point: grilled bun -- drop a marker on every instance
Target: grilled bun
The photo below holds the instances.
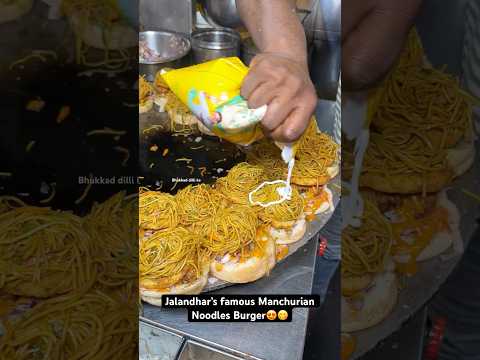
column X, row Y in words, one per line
column 285, row 236
column 377, row 303
column 153, row 296
column 252, row 269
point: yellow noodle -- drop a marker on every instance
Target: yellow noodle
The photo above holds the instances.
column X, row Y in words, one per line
column 290, row 210
column 231, row 230
column 240, row 181
column 170, row 253
column 364, row 249
column 417, row 114
column 197, row 204
column 157, row 210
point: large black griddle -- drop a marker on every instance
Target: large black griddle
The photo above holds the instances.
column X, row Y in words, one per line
column 160, row 172
column 163, row 172
column 63, row 152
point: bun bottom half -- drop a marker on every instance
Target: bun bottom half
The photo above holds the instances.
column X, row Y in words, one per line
column 246, row 271
column 289, row 236
column 378, row 302
column 154, row 297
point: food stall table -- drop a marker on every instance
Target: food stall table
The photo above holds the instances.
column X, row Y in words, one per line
column 266, row 341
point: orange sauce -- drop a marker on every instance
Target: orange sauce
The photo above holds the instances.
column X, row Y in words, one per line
column 348, row 345
column 282, row 252
column 257, row 252
column 423, row 230
column 314, row 200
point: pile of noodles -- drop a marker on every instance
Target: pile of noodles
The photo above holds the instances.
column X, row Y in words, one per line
column 416, row 115
column 96, row 325
column 168, row 255
column 267, row 155
column 157, row 210
column 287, row 211
column 197, row 203
column 316, row 153
column 364, row 248
column 113, row 228
column 231, row 230
column 240, row 181
column 44, row 252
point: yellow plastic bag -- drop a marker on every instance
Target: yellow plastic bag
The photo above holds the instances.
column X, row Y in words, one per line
column 212, row 92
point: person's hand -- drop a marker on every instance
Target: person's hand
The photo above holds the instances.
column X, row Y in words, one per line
column 284, row 85
column 373, row 35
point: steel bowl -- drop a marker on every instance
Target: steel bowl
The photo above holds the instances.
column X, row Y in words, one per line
column 249, row 50
column 209, row 44
column 222, row 13
column 172, row 47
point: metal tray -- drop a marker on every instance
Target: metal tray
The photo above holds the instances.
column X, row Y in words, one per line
column 196, row 351
column 313, row 229
column 157, row 344
column 155, row 130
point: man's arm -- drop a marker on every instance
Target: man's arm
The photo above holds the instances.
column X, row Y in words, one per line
column 278, row 76
column 373, row 35
column 274, row 27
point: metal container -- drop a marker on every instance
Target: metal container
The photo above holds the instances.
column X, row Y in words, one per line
column 155, row 343
column 178, row 16
column 171, row 46
column 222, row 13
column 249, row 50
column 209, row 44
column 194, row 350
column 323, row 28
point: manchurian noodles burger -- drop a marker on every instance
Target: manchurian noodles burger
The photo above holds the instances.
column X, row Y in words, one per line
column 243, row 252
column 242, row 179
column 317, row 158
column 172, row 261
column 421, row 134
column 369, row 286
column 197, row 204
column 43, row 252
column 422, row 227
column 267, row 155
column 286, row 219
column 158, row 211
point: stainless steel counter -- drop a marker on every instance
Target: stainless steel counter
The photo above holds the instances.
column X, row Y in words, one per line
column 246, row 340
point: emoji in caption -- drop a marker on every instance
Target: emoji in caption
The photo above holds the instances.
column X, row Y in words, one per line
column 271, row 315
column 283, row 315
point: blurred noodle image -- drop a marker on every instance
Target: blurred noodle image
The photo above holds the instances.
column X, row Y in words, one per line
column 68, row 199
column 420, row 139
